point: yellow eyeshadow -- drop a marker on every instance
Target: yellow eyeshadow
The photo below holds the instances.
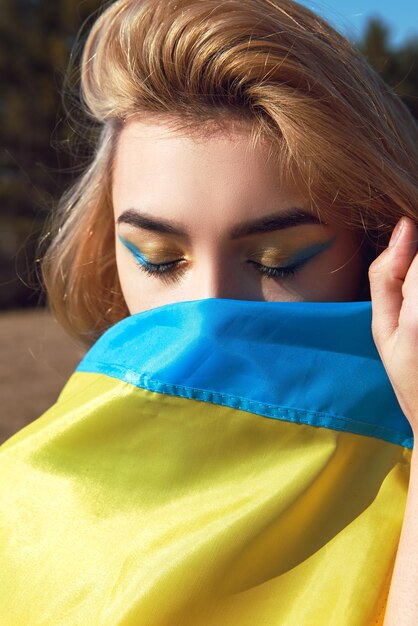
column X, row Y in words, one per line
column 160, row 256
column 282, row 246
column 269, row 256
column 155, row 250
column 270, row 249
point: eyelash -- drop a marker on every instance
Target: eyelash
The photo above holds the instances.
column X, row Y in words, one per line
column 167, row 269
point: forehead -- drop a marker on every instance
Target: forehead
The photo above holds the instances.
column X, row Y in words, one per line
column 209, row 142
column 219, row 169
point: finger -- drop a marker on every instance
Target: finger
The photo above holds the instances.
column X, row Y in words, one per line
column 408, row 318
column 387, row 275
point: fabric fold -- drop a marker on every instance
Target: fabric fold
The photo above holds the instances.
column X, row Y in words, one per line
column 210, row 463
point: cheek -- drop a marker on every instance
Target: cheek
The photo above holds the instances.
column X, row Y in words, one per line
column 126, row 274
column 338, row 274
column 134, row 288
column 140, row 292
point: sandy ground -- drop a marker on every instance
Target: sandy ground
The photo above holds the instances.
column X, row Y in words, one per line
column 36, row 360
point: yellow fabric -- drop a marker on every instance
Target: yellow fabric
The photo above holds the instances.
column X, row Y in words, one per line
column 121, row 506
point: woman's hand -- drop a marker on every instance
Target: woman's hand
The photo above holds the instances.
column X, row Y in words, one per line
column 394, row 292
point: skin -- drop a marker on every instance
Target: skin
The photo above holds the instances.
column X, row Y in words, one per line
column 206, row 189
column 394, row 291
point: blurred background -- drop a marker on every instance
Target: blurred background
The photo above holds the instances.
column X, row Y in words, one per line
column 45, row 144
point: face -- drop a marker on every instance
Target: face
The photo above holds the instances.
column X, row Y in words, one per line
column 213, row 218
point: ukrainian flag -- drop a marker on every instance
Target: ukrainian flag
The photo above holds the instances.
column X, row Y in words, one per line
column 210, row 463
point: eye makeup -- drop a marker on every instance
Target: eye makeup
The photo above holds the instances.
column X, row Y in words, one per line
column 312, row 251
column 146, row 262
column 275, row 264
column 271, row 258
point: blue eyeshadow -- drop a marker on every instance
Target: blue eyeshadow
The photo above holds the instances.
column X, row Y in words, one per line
column 132, row 248
column 300, row 257
column 311, row 251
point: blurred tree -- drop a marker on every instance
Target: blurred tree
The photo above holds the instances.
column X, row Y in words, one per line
column 36, row 37
column 375, row 45
column 397, row 66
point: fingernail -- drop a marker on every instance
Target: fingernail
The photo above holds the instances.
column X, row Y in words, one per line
column 396, row 232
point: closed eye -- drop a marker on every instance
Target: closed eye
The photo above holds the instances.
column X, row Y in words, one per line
column 278, row 272
column 176, row 267
column 172, row 269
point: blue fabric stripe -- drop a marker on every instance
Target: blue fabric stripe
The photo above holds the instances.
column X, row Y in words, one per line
column 311, row 363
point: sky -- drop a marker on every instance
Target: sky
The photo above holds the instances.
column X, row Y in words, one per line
column 350, row 16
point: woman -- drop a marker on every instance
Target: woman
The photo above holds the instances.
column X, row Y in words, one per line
column 250, row 172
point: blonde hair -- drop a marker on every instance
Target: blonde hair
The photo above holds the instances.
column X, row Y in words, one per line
column 271, row 63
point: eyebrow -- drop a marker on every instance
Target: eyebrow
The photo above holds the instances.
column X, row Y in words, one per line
column 277, row 221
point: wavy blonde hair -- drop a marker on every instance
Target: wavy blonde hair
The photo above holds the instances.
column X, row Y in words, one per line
column 197, row 63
